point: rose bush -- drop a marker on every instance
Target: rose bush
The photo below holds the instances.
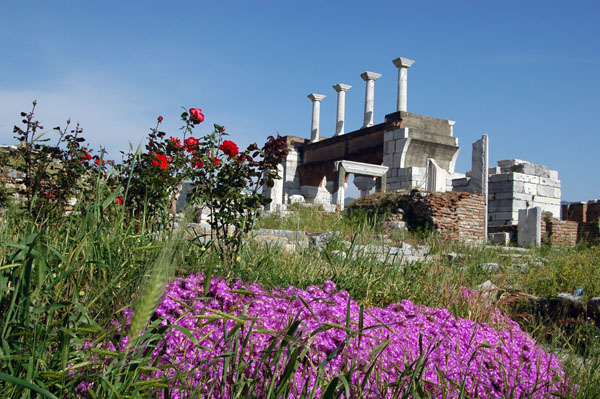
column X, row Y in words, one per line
column 52, row 174
column 228, row 183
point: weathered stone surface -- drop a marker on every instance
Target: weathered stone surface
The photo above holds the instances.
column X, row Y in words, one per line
column 529, row 230
column 502, row 238
column 490, row 267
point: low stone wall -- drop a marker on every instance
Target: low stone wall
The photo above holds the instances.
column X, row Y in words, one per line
column 457, row 216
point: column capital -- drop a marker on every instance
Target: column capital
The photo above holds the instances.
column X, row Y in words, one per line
column 368, row 75
column 316, row 97
column 341, row 87
column 401, row 62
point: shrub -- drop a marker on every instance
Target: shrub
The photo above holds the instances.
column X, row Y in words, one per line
column 52, row 174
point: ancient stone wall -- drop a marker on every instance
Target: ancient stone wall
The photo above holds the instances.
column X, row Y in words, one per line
column 517, row 184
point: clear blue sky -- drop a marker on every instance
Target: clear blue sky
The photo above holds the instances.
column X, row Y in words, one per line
column 524, row 72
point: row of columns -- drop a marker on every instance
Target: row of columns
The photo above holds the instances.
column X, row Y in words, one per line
column 369, row 77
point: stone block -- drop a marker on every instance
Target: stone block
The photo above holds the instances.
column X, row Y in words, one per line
column 553, row 174
column 388, row 136
column 529, row 188
column 553, row 209
column 547, row 191
column 502, row 238
column 506, row 187
column 494, row 170
column 530, row 227
column 514, row 176
column 511, row 162
column 388, row 148
column 401, row 133
column 545, row 181
column 463, row 182
column 546, row 200
column 502, row 177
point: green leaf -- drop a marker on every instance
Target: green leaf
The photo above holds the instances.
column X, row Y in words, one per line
column 111, row 198
column 17, row 381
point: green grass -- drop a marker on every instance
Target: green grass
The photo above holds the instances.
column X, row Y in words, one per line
column 67, row 282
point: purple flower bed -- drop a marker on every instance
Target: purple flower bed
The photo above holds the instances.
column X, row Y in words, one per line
column 486, row 362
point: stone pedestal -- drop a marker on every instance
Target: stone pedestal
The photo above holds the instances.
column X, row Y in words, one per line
column 364, row 184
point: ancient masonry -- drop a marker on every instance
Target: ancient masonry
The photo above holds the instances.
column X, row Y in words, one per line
column 407, row 151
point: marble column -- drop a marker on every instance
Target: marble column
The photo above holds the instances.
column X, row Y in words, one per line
column 402, row 64
column 370, row 78
column 316, row 116
column 341, row 107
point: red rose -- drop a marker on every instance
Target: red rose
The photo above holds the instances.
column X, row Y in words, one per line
column 119, row 201
column 97, row 161
column 86, row 156
column 196, row 115
column 198, row 164
column 191, row 144
column 176, row 141
column 160, row 119
column 229, row 148
column 216, row 160
column 162, row 161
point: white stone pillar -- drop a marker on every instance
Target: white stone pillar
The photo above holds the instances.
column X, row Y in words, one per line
column 370, row 78
column 402, row 64
column 341, row 107
column 316, row 116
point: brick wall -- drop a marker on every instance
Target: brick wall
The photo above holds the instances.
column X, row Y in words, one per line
column 585, row 215
column 561, row 232
column 588, row 231
column 458, row 216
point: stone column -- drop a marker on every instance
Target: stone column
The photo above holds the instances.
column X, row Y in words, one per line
column 316, row 116
column 364, row 184
column 370, row 78
column 402, row 64
column 339, row 188
column 341, row 107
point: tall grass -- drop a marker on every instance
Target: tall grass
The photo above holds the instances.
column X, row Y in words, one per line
column 62, row 287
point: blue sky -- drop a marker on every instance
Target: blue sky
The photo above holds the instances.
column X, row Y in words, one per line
column 524, row 72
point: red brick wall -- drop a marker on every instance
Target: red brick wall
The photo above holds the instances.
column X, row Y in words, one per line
column 459, row 216
column 561, row 232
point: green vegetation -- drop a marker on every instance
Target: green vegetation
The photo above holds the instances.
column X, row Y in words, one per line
column 80, row 286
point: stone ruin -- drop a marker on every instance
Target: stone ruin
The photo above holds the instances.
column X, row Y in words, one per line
column 407, row 151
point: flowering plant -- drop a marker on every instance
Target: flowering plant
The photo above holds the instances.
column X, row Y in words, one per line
column 52, row 175
column 150, row 178
column 297, row 340
column 228, row 182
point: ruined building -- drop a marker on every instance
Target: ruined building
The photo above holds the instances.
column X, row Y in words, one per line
column 405, row 152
